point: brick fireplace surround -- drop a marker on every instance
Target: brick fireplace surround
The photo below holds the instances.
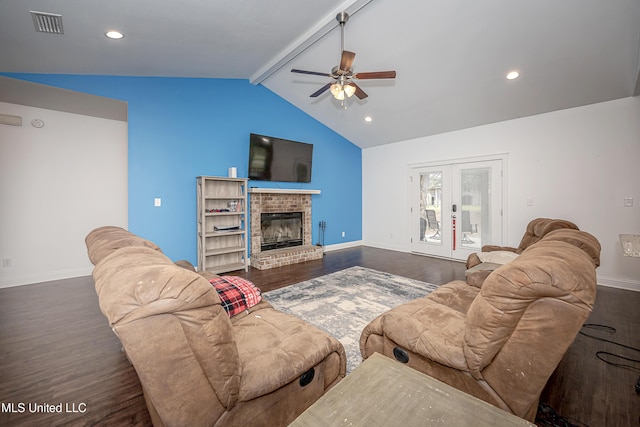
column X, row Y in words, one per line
column 270, row 200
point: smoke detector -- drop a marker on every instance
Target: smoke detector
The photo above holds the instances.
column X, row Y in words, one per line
column 47, row 22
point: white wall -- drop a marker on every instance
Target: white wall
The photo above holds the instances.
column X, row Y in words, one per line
column 576, row 164
column 57, row 183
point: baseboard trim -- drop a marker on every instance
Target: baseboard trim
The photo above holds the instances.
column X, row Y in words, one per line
column 387, row 247
column 627, row 284
column 49, row 276
column 345, row 245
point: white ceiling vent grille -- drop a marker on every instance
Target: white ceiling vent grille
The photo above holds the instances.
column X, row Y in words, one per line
column 47, row 22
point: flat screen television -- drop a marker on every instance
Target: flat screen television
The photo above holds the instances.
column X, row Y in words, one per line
column 277, row 159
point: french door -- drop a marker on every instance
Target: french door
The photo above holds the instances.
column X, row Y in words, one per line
column 456, row 207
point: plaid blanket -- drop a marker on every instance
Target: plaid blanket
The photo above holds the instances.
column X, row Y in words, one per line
column 236, row 293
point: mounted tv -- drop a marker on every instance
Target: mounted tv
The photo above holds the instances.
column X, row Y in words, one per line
column 276, row 159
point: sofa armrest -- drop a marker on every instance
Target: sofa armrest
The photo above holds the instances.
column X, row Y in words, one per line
column 185, row 264
column 473, row 259
column 371, row 338
column 476, row 275
column 424, row 327
column 275, row 348
column 438, row 337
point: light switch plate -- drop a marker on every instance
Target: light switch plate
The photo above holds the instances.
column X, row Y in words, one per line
column 628, row 202
column 157, row 202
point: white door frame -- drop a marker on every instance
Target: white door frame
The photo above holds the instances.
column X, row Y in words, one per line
column 445, row 249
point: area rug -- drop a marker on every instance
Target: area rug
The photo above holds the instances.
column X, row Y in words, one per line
column 344, row 302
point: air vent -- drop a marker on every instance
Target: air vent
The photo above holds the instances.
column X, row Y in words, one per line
column 47, row 22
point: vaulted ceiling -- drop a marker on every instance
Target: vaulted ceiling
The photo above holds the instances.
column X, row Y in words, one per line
column 451, row 57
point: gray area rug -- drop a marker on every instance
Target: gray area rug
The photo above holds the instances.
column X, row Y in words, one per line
column 344, row 302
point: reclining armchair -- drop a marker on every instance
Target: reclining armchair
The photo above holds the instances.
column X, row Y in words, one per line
column 500, row 342
column 480, row 265
column 536, row 230
column 197, row 365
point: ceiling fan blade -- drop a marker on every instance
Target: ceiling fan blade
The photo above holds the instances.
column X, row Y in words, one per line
column 359, row 92
column 314, row 73
column 376, row 75
column 320, row 91
column 347, row 60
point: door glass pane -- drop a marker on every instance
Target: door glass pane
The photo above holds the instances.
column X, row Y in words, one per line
column 430, row 207
column 475, row 215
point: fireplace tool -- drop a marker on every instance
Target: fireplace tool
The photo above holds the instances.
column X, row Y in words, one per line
column 322, row 226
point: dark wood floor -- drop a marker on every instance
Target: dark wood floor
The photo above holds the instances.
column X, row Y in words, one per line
column 56, row 347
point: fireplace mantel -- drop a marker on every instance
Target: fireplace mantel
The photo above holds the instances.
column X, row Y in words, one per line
column 281, row 191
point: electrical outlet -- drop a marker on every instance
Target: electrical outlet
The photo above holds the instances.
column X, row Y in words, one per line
column 157, row 202
column 344, row 234
column 628, row 202
column 7, row 262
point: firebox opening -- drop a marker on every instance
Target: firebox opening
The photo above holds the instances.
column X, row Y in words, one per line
column 281, row 230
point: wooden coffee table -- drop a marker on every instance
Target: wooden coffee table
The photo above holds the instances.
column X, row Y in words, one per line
column 384, row 392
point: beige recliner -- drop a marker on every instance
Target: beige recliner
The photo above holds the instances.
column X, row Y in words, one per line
column 477, row 270
column 197, row 366
column 536, row 230
column 500, row 342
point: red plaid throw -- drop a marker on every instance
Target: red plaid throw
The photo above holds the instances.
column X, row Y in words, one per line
column 236, row 293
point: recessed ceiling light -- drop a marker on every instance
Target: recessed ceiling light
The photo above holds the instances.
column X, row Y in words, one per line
column 368, row 119
column 513, row 75
column 113, row 34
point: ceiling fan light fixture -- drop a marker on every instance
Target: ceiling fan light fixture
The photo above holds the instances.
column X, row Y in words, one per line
column 342, row 86
column 337, row 92
column 341, row 91
column 349, row 90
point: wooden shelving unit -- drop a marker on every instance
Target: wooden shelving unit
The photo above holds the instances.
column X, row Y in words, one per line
column 222, row 224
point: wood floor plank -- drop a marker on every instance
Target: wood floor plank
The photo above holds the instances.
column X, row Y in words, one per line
column 57, row 347
column 585, row 388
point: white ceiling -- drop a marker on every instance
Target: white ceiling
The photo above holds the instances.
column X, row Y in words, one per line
column 451, row 57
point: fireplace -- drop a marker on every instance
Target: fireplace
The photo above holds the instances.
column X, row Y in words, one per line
column 288, row 215
column 281, row 230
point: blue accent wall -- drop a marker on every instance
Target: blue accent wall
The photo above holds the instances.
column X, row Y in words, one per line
column 180, row 128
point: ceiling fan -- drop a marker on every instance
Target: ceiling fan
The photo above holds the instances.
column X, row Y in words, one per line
column 343, row 86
